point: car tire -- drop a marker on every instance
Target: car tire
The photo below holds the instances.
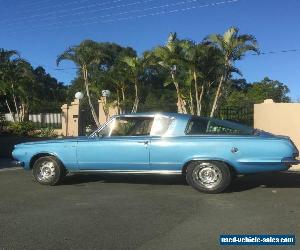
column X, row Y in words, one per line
column 208, row 176
column 48, row 170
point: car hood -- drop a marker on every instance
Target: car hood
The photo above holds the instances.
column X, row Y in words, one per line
column 60, row 140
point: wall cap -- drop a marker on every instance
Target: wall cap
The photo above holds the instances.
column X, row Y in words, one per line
column 268, row 101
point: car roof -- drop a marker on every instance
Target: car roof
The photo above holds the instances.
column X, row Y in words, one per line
column 170, row 114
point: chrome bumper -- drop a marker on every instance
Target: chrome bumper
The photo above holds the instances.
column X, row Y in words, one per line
column 290, row 161
column 18, row 163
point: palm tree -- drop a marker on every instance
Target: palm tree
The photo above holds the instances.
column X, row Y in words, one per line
column 117, row 76
column 192, row 56
column 135, row 65
column 233, row 47
column 86, row 56
column 169, row 58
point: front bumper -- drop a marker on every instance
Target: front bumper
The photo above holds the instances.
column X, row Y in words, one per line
column 18, row 163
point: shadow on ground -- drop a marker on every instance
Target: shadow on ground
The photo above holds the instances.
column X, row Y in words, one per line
column 125, row 178
column 266, row 180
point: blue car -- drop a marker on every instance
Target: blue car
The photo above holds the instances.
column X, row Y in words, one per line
column 207, row 152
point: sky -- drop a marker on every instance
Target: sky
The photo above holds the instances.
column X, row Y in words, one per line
column 42, row 29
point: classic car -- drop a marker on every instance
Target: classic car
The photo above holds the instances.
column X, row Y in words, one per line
column 208, row 152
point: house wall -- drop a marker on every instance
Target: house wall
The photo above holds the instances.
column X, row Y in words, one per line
column 279, row 118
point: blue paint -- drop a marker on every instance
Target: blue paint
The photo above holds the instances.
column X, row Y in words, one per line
column 256, row 153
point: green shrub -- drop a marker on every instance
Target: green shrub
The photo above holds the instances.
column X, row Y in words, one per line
column 46, row 132
column 29, row 129
column 3, row 125
column 22, row 128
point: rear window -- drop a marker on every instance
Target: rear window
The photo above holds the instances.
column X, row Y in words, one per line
column 201, row 125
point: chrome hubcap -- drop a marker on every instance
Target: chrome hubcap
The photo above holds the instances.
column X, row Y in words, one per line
column 46, row 171
column 207, row 175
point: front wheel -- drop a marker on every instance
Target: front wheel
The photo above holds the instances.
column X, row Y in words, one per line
column 209, row 176
column 48, row 170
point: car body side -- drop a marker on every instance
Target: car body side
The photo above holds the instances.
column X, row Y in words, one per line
column 169, row 153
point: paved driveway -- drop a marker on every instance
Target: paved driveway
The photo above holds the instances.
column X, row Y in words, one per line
column 142, row 212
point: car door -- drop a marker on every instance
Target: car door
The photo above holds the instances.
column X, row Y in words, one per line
column 164, row 149
column 124, row 146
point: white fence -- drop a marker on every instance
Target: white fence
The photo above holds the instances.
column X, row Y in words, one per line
column 42, row 120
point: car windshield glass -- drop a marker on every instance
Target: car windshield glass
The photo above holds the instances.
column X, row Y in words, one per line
column 200, row 125
column 127, row 126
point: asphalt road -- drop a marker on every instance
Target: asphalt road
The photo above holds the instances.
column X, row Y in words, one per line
column 142, row 212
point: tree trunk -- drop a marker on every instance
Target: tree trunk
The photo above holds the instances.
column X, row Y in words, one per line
column 9, row 109
column 196, row 92
column 200, row 99
column 26, row 112
column 217, row 96
column 181, row 105
column 118, row 101
column 136, row 99
column 123, row 100
column 191, row 102
column 123, row 93
column 21, row 111
column 85, row 76
column 15, row 101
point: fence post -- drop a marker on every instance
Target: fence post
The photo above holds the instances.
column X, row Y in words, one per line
column 70, row 119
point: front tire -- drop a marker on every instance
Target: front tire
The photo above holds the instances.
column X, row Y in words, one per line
column 208, row 176
column 48, row 170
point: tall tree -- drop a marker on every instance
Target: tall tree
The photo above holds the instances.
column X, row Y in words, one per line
column 233, row 47
column 7, row 58
column 169, row 58
column 192, row 57
column 135, row 65
column 86, row 56
column 22, row 82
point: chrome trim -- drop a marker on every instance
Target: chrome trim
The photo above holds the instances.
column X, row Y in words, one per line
column 290, row 161
column 162, row 172
column 207, row 175
column 19, row 163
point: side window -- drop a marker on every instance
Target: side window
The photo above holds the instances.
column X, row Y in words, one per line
column 197, row 126
column 215, row 128
column 128, row 126
column 200, row 126
column 160, row 125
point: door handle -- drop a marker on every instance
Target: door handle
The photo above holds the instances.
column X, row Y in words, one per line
column 144, row 142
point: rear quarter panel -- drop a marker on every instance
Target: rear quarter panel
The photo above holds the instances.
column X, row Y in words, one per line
column 255, row 154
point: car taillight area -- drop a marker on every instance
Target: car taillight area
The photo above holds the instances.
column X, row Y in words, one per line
column 296, row 151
